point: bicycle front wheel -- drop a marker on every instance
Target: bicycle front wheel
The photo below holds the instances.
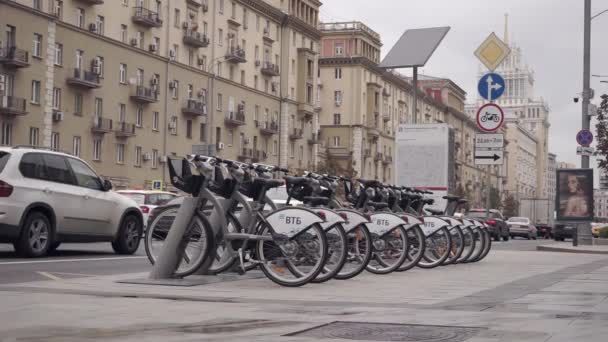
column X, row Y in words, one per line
column 336, row 256
column 469, row 245
column 292, row 261
column 488, row 245
column 359, row 253
column 417, row 245
column 390, row 251
column 438, row 247
column 457, row 247
column 196, row 243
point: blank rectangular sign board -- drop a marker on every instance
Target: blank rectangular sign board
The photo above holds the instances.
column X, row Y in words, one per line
column 414, row 48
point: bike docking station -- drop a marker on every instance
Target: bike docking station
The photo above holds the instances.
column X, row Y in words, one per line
column 173, row 251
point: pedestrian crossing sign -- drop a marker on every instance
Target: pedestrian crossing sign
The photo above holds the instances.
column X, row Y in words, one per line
column 157, row 185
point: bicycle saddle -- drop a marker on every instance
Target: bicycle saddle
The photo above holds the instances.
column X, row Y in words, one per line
column 369, row 183
column 462, row 201
column 434, row 212
column 314, row 201
column 452, row 198
column 269, row 183
column 428, row 201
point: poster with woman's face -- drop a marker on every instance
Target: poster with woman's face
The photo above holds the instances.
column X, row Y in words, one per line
column 574, row 195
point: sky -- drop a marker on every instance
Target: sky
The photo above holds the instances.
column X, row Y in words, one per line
column 549, row 32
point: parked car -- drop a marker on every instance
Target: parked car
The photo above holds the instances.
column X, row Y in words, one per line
column 50, row 197
column 521, row 226
column 496, row 222
column 544, row 231
column 563, row 230
column 147, row 200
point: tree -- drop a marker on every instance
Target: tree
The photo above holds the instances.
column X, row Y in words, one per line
column 511, row 206
column 602, row 134
column 495, row 202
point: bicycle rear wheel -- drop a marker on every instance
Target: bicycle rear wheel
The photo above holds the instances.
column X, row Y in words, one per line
column 469, row 245
column 196, row 243
column 488, row 245
column 457, row 247
column 359, row 253
column 438, row 247
column 417, row 245
column 389, row 251
column 480, row 245
column 292, row 261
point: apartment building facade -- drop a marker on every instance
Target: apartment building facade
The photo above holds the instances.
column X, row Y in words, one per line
column 125, row 84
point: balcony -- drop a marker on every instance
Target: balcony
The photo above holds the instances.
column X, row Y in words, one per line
column 339, row 152
column 259, row 156
column 14, row 57
column 194, row 108
column 386, row 117
column 235, row 118
column 269, row 128
column 101, row 125
column 244, row 154
column 386, row 93
column 306, row 111
column 144, row 95
column 84, row 79
column 195, row 39
column 367, row 153
column 387, row 160
column 13, row 106
column 195, row 3
column 92, row 2
column 267, row 37
column 373, row 132
column 270, row 69
column 296, row 134
column 124, row 130
column 145, row 17
column 235, row 55
column 378, row 156
column 232, row 21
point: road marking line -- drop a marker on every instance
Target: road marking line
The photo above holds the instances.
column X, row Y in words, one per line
column 77, row 274
column 68, row 260
column 50, row 276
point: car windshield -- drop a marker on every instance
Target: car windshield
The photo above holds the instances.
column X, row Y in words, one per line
column 518, row 220
column 3, row 160
column 477, row 214
column 140, row 199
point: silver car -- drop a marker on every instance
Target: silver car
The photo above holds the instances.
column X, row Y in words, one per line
column 521, row 226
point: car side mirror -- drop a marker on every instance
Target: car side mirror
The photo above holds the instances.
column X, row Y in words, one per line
column 107, row 185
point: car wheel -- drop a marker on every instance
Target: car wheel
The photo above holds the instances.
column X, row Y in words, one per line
column 54, row 246
column 36, row 236
column 129, row 235
column 506, row 237
column 497, row 237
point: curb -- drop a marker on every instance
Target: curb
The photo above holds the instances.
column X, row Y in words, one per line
column 569, row 250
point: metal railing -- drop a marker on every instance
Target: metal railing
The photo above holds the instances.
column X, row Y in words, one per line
column 13, row 53
column 86, row 76
column 270, row 68
column 196, row 106
column 102, row 124
column 143, row 14
column 141, row 91
column 123, row 128
column 348, row 26
column 195, row 38
column 13, row 104
column 235, row 116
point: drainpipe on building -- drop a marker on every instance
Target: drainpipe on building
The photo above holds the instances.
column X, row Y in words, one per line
column 282, row 100
column 166, row 91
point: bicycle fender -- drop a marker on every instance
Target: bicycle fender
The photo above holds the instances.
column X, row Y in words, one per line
column 291, row 221
column 468, row 223
column 432, row 224
column 331, row 218
column 353, row 219
column 382, row 223
column 453, row 222
column 412, row 220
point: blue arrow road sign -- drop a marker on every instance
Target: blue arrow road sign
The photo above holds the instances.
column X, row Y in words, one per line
column 491, row 86
column 584, row 137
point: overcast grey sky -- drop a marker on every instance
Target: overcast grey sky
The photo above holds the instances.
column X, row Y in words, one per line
column 550, row 33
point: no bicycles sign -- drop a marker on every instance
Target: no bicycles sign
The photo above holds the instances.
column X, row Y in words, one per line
column 490, row 117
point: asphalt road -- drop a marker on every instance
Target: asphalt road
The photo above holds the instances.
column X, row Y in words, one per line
column 83, row 260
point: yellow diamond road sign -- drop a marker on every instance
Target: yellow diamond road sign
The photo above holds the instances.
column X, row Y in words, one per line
column 492, row 52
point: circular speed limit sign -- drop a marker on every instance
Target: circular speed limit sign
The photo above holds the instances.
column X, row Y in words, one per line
column 490, row 117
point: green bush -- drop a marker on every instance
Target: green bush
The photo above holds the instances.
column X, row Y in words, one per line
column 604, row 233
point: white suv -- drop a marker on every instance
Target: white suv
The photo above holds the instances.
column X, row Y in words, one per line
column 49, row 197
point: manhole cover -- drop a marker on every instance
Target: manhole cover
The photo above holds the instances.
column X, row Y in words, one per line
column 390, row 332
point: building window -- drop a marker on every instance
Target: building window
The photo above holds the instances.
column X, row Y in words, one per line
column 76, row 146
column 137, row 161
column 338, row 73
column 99, row 62
column 34, row 136
column 221, row 7
column 54, row 141
column 275, row 147
column 97, row 150
column 219, row 102
column 98, row 107
column 80, row 17
column 255, row 82
column 175, row 89
column 37, row 50
column 338, row 97
column 78, row 104
column 123, row 33
column 122, row 71
column 140, row 39
column 173, row 125
column 339, row 49
column 56, row 98
column 337, row 119
column 220, row 37
column 35, row 92
column 7, row 134
column 202, row 135
column 100, row 23
column 120, row 153
column 155, row 117
column 139, row 116
column 336, row 141
column 58, row 54
column 176, row 18
column 37, row 5
column 189, row 129
column 122, row 112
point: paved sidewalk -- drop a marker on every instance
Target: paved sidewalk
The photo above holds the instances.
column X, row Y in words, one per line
column 510, row 296
column 562, row 248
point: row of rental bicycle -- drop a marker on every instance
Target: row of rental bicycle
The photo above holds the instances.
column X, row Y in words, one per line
column 370, row 226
